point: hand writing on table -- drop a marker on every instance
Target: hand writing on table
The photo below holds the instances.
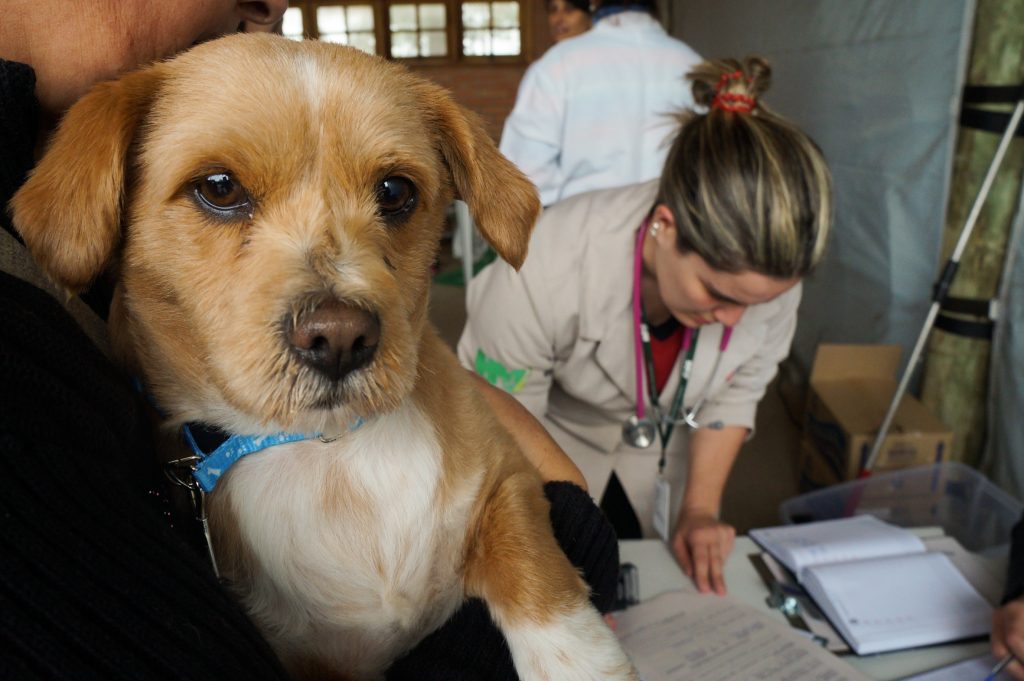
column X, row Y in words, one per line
column 1008, row 636
column 702, row 544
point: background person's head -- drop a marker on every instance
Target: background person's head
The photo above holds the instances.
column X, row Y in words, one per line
column 744, row 194
column 567, row 18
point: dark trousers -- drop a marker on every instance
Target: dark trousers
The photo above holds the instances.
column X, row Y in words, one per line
column 619, row 511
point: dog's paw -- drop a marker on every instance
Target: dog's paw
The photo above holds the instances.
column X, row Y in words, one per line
column 574, row 647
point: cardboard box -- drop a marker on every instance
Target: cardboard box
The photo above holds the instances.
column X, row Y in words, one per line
column 850, row 390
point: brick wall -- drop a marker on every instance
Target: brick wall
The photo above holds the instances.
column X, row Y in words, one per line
column 489, row 90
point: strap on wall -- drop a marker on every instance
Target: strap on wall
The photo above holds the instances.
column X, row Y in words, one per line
column 989, row 121
column 984, row 119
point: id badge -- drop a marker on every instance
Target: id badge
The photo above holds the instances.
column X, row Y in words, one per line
column 662, row 497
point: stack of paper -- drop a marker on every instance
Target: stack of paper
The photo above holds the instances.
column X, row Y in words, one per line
column 682, row 636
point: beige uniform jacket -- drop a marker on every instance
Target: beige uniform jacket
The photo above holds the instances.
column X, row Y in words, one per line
column 558, row 335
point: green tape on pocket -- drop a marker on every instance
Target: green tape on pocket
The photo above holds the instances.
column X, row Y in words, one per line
column 497, row 374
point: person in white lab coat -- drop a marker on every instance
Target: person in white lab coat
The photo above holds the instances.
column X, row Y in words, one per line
column 716, row 250
column 596, row 110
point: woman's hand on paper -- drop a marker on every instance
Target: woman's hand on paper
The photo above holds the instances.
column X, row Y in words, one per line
column 702, row 544
column 1008, row 636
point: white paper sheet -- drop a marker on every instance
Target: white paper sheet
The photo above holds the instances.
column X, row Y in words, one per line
column 985, row 573
column 681, row 636
column 974, row 669
column 899, row 602
column 835, row 541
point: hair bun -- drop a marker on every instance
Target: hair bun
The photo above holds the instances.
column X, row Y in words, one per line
column 749, row 78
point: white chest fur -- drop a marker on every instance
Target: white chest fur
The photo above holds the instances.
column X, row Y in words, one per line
column 353, row 552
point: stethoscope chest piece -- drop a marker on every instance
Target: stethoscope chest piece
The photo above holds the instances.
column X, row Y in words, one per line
column 639, row 432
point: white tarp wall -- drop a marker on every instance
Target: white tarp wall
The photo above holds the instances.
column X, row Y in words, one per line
column 876, row 83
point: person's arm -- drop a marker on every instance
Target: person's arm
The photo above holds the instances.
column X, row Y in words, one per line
column 538, row 446
column 701, row 542
column 1008, row 620
column 1008, row 636
column 532, row 135
column 516, row 327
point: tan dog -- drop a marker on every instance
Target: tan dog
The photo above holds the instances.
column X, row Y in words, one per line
column 271, row 211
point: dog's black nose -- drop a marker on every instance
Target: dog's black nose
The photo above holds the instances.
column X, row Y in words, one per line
column 335, row 338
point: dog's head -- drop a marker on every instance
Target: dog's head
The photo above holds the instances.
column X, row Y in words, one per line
column 271, row 211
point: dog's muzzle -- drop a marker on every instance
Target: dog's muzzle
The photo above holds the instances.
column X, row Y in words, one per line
column 334, row 338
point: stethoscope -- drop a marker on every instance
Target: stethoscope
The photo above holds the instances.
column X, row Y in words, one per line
column 639, row 430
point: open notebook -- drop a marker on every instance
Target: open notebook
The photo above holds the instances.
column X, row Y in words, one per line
column 877, row 584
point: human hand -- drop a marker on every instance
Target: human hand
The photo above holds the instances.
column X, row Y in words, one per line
column 1008, row 636
column 701, row 544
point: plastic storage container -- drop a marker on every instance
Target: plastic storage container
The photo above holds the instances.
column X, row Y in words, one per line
column 951, row 495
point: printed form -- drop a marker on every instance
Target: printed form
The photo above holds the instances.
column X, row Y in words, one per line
column 681, row 636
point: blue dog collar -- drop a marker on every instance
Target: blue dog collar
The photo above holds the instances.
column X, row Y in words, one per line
column 220, row 450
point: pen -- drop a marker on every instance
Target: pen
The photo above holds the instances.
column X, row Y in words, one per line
column 811, row 636
column 1000, row 666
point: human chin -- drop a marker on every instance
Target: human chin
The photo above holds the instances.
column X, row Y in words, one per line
column 692, row 319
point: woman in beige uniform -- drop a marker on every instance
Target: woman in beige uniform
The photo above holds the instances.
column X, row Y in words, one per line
column 689, row 284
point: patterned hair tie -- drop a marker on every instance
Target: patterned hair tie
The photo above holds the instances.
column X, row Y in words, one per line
column 732, row 101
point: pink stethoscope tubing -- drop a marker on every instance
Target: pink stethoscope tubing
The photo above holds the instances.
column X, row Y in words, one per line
column 639, row 328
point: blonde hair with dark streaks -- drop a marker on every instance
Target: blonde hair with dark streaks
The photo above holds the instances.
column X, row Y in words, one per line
column 748, row 190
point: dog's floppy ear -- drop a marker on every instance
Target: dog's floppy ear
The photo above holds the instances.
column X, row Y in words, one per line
column 503, row 202
column 69, row 210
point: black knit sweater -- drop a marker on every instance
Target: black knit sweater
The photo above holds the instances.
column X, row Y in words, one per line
column 1015, row 568
column 94, row 581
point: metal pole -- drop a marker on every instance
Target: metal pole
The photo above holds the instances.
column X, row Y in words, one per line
column 465, row 233
column 948, row 272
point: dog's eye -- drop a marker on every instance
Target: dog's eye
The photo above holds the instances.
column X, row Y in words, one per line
column 396, row 197
column 224, row 195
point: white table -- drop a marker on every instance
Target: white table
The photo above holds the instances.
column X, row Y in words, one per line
column 658, row 572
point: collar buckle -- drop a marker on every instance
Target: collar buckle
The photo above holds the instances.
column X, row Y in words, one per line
column 181, row 473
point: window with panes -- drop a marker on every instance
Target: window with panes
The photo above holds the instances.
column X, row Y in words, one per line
column 418, row 30
column 446, row 31
column 491, row 29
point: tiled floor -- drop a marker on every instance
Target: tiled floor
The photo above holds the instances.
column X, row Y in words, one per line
column 764, row 474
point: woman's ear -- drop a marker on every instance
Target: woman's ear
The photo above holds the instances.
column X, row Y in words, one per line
column 663, row 216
